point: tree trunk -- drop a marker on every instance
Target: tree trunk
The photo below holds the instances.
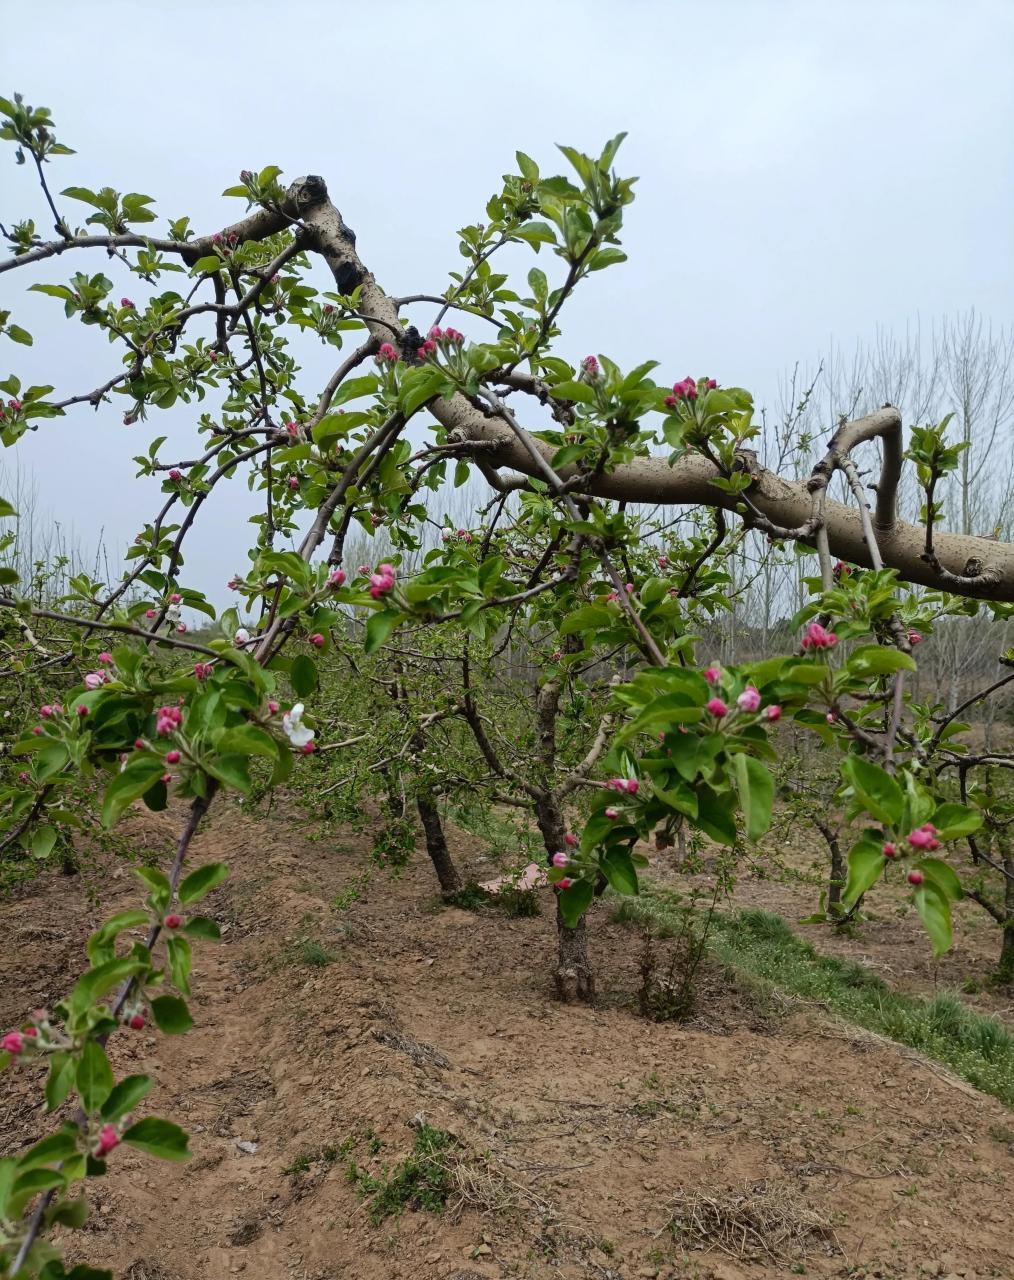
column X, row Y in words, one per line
column 1005, row 970
column 575, row 980
column 574, row 977
column 436, row 846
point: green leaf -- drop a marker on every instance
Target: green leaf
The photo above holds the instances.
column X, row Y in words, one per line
column 875, row 789
column 579, row 391
column 180, row 954
column 878, row 660
column 125, row 1097
column 6, row 509
column 171, row 1015
column 204, row 928
column 130, row 785
column 590, row 617
column 619, row 870
column 379, row 627
column 58, row 1146
column 94, row 1079
column 43, row 841
column 953, row 821
column 248, row 739
column 935, row 912
column 944, row 877
column 714, row 815
column 303, row 675
column 866, row 862
column 756, row 794
column 575, row 901
column 159, row 1138
column 19, row 335
column 232, row 770
column 202, row 881
column 60, row 1079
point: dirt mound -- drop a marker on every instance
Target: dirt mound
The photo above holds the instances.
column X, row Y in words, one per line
column 333, row 1035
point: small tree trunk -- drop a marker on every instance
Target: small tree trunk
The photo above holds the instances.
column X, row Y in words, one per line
column 574, row 977
column 436, row 847
column 1005, row 970
column 575, row 980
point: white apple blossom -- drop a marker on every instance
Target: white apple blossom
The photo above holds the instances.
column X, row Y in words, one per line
column 241, row 638
column 296, row 731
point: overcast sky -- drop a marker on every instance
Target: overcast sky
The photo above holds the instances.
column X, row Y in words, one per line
column 808, row 172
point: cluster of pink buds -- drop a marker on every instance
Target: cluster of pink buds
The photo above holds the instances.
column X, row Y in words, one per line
column 816, row 637
column 336, row 579
column 663, row 562
column 688, row 389
column 15, row 1042
column 167, row 721
column 50, row 709
column 841, row 569
column 924, row 837
column 386, row 354
column 628, row 785
column 126, row 304
column 292, row 428
column 202, row 670
column 590, row 367
column 382, row 581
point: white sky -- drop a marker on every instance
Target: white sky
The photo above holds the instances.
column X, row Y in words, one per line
column 808, row 171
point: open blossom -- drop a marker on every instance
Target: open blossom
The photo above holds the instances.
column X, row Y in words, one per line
column 712, row 674
column 717, row 707
column 297, row 733
column 816, row 637
column 749, row 699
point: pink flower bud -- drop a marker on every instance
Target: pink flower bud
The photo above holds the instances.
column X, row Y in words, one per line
column 712, row 674
column 82, row 710
column 167, row 778
column 890, row 849
column 309, row 748
column 564, row 882
column 106, row 659
column 749, row 700
column 924, row 837
column 13, row 1042
column 711, row 384
column 293, row 482
column 570, row 838
column 717, row 707
column 273, row 707
column 173, row 921
column 95, row 679
column 151, row 613
column 337, row 578
column 137, row 1022
column 914, row 638
column 175, row 598
column 774, row 712
column 37, row 730
column 915, row 876
column 663, row 562
column 462, row 532
column 125, row 302
column 436, row 333
column 24, row 777
column 202, row 670
column 632, row 786
column 611, row 813
column 831, row 717
column 32, row 1032
column 109, row 1139
column 172, row 757
column 175, row 474
column 46, row 710
column 138, row 744
column 560, row 859
column 387, row 352
column 628, row 587
column 317, row 640
column 590, row 365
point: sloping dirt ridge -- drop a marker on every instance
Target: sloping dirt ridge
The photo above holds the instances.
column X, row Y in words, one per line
column 589, row 1143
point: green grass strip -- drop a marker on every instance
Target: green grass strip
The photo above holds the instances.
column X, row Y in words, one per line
column 763, row 948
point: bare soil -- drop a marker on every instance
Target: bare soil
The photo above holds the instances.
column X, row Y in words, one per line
column 759, row 1140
